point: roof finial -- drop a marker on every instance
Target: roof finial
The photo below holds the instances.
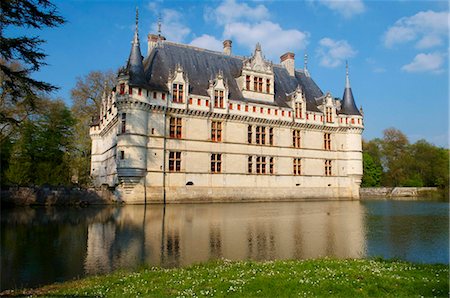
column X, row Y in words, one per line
column 159, row 24
column 305, row 66
column 347, row 80
column 258, row 46
column 137, row 18
column 136, row 34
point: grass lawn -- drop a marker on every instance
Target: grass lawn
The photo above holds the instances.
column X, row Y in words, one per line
column 323, row 277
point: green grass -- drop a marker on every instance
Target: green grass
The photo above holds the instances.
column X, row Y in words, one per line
column 323, row 277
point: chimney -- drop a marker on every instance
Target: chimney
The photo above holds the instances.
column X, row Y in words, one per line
column 227, row 47
column 152, row 41
column 288, row 61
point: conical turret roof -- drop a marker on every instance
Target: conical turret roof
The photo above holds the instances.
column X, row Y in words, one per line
column 348, row 106
column 135, row 67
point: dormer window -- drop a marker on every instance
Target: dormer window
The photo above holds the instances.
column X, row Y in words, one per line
column 268, row 86
column 130, row 90
column 122, row 89
column 298, row 110
column 329, row 114
column 218, row 99
column 177, row 93
column 247, row 83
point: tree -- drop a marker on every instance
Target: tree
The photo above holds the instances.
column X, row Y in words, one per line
column 372, row 171
column 41, row 154
column 87, row 98
column 20, row 56
column 395, row 157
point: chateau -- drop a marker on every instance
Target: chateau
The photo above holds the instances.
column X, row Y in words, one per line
column 185, row 124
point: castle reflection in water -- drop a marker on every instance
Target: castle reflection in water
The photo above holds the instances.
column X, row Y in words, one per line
column 180, row 235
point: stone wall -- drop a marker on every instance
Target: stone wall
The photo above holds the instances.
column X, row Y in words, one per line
column 395, row 192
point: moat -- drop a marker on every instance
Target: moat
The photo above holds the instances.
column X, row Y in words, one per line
column 45, row 245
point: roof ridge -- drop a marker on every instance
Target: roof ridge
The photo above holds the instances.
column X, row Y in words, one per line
column 181, row 45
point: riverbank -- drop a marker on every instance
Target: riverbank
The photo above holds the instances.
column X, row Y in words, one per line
column 323, row 277
column 400, row 192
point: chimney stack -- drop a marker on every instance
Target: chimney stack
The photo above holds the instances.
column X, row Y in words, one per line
column 227, row 47
column 152, row 41
column 288, row 61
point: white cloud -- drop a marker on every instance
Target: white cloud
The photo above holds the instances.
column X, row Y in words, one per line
column 230, row 11
column 429, row 28
column 274, row 40
column 333, row 52
column 207, row 42
column 346, row 8
column 172, row 28
column 426, row 63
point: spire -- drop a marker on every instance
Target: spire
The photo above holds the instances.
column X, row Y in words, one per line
column 348, row 102
column 135, row 67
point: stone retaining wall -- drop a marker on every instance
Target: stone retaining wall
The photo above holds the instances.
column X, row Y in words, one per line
column 395, row 192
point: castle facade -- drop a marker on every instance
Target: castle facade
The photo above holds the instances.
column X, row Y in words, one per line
column 186, row 124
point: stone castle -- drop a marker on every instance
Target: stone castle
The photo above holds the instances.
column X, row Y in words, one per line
column 185, row 124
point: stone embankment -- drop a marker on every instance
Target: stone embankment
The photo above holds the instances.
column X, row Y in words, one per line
column 45, row 196
column 397, row 192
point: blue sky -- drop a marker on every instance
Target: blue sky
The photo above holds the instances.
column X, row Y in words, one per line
column 397, row 50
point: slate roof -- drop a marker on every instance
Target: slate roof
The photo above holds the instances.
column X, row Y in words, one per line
column 348, row 105
column 203, row 65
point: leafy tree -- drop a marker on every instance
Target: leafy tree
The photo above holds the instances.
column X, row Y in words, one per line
column 395, row 157
column 41, row 154
column 20, row 56
column 372, row 171
column 87, row 98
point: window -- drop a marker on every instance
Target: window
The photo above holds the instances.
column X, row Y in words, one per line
column 174, row 161
column 130, row 90
column 124, row 123
column 327, row 141
column 163, row 96
column 329, row 114
column 260, row 165
column 268, row 86
column 297, row 163
column 139, row 91
column 263, row 135
column 249, row 134
column 177, row 93
column 216, row 163
column 218, row 99
column 122, row 89
column 216, row 131
column 260, row 84
column 247, row 83
column 258, row 135
column 199, row 102
column 175, row 128
column 271, row 136
column 298, row 110
column 255, row 84
column 327, row 167
column 154, row 95
column 122, row 154
column 250, row 164
column 296, row 138
column 271, row 165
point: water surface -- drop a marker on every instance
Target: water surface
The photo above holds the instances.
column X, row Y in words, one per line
column 44, row 245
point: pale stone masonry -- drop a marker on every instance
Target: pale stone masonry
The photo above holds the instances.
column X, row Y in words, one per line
column 193, row 125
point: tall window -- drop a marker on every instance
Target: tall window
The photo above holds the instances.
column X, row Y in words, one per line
column 122, row 89
column 268, row 86
column 271, row 165
column 216, row 131
column 255, row 84
column 177, row 93
column 249, row 134
column 218, row 99
column 260, row 165
column 247, row 83
column 250, row 164
column 263, row 135
column 296, row 138
column 260, row 84
column 271, row 136
column 327, row 141
column 175, row 127
column 327, row 167
column 130, row 90
column 298, row 110
column 216, row 163
column 174, row 161
column 297, row 163
column 122, row 154
column 124, row 123
column 329, row 114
